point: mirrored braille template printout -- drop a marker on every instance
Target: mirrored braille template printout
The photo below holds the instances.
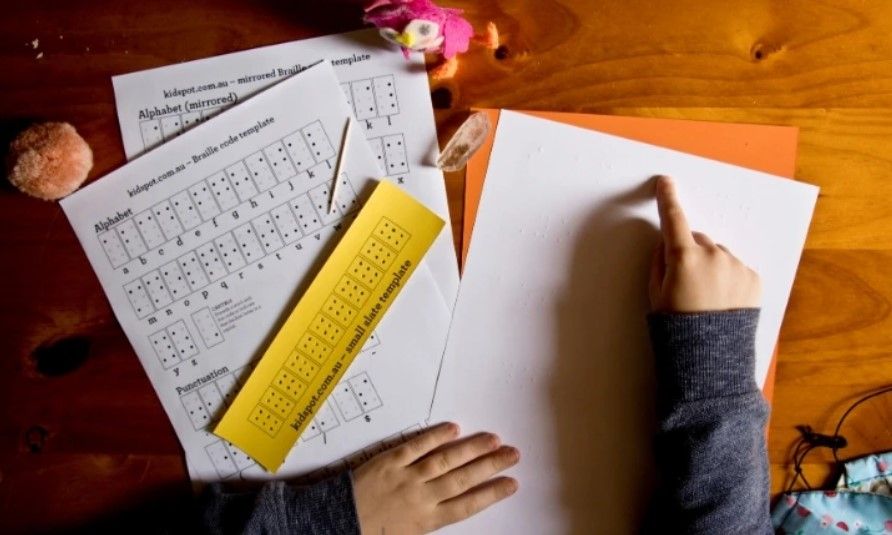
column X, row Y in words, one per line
column 389, row 97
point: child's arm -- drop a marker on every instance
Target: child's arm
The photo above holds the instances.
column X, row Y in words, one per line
column 280, row 507
column 432, row 480
column 711, row 443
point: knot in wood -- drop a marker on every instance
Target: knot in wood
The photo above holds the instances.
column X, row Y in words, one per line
column 59, row 357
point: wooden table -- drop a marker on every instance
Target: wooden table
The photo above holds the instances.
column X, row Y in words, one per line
column 83, row 434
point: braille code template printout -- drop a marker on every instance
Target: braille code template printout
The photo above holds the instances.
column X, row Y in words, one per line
column 388, row 95
column 204, row 245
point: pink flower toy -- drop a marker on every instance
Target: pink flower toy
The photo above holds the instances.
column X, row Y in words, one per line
column 423, row 26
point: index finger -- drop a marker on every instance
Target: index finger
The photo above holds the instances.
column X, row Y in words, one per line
column 674, row 225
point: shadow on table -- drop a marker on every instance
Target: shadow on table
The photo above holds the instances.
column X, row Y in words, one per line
column 603, row 386
column 172, row 509
column 322, row 18
column 9, row 129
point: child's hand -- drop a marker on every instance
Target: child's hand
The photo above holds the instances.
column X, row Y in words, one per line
column 431, row 481
column 690, row 272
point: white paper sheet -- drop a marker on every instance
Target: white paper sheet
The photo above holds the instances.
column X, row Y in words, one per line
column 205, row 244
column 549, row 344
column 389, row 96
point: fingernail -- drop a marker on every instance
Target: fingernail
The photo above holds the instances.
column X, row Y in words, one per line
column 513, row 453
column 663, row 183
column 449, row 427
column 493, row 441
column 512, row 487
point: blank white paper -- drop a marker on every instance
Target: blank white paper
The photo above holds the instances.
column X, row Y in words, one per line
column 549, row 346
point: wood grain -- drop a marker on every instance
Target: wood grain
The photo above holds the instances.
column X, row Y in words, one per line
column 82, row 429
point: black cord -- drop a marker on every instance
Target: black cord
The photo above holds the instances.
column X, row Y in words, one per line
column 842, row 419
column 801, row 449
column 809, row 441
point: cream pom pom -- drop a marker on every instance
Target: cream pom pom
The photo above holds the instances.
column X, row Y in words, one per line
column 49, row 160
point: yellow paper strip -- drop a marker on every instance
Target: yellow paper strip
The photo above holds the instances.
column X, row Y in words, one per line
column 329, row 325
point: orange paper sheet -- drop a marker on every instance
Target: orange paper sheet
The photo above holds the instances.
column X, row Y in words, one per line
column 771, row 149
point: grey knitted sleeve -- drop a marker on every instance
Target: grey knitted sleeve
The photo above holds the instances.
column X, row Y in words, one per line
column 710, row 447
column 277, row 507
